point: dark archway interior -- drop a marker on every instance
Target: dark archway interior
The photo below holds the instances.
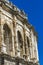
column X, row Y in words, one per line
column 20, row 41
column 7, row 38
column 28, row 42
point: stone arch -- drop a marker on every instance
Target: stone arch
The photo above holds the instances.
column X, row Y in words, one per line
column 7, row 38
column 20, row 42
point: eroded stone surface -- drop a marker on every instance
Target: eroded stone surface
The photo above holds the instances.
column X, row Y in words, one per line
column 17, row 37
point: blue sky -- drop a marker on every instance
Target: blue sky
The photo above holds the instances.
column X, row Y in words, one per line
column 34, row 11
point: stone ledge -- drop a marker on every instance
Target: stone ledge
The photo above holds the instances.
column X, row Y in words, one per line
column 15, row 59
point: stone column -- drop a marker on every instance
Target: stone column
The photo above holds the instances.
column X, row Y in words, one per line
column 32, row 45
column 0, row 33
column 31, row 51
column 15, row 36
column 25, row 43
column 37, row 58
column 13, row 48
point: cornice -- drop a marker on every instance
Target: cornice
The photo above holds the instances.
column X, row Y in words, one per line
column 15, row 59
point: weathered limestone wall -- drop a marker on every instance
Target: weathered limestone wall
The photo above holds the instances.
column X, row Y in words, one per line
column 15, row 25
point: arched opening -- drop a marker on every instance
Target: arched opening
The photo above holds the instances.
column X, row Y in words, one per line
column 7, row 38
column 28, row 42
column 20, row 43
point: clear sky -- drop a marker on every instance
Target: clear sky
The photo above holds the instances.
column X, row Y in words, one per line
column 34, row 11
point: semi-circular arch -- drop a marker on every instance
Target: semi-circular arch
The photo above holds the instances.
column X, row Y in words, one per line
column 7, row 38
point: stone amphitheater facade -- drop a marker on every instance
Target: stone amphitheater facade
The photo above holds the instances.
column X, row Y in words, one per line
column 18, row 39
